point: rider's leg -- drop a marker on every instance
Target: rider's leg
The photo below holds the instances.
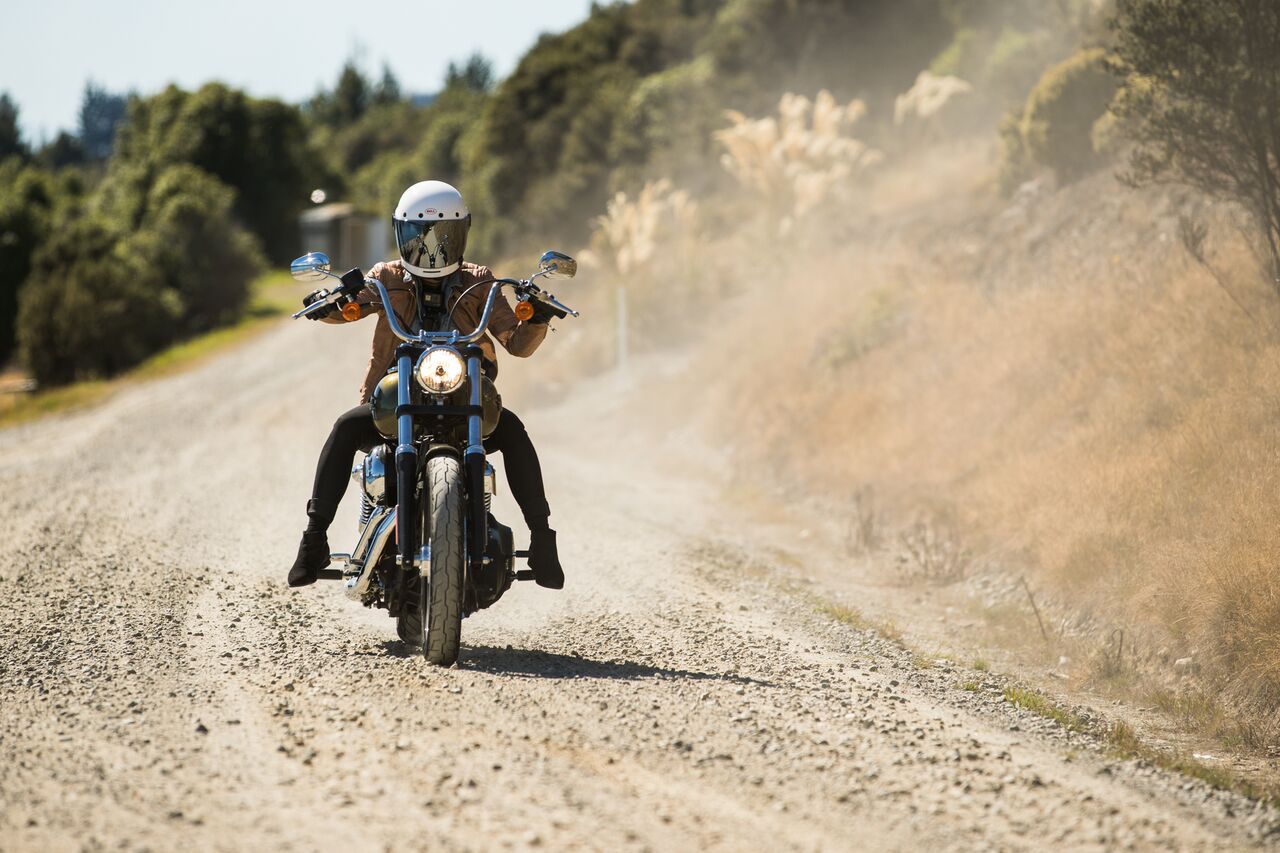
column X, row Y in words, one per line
column 524, row 474
column 352, row 431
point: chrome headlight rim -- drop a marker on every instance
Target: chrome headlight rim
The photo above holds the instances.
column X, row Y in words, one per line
column 429, row 375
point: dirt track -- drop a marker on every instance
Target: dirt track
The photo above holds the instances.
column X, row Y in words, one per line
column 161, row 688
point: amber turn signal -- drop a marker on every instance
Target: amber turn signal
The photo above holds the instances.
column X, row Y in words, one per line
column 524, row 310
column 351, row 312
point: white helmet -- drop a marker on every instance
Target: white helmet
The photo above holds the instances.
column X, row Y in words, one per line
column 431, row 224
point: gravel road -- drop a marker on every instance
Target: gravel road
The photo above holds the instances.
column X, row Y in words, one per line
column 162, row 688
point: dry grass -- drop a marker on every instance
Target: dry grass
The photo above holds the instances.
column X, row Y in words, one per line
column 1069, row 387
column 633, row 230
column 1056, row 377
column 797, row 160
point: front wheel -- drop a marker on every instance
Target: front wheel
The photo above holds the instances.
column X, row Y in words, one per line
column 440, row 591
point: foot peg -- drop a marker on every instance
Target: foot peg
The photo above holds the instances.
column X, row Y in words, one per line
column 333, row 574
column 524, row 574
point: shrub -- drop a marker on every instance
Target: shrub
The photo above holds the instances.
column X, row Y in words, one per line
column 1060, row 113
column 204, row 260
column 89, row 310
column 27, row 196
column 149, row 263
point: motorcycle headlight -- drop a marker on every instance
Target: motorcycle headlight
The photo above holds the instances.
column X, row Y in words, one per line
column 440, row 370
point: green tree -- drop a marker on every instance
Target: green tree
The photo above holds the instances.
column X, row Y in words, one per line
column 202, row 257
column 100, row 115
column 1058, row 122
column 27, row 198
column 89, row 310
column 145, row 261
column 476, row 74
column 1202, row 99
column 65, row 150
column 351, row 96
column 258, row 147
column 388, row 89
column 10, row 135
column 528, row 120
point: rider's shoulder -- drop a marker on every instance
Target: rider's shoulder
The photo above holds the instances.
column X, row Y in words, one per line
column 388, row 272
column 475, row 272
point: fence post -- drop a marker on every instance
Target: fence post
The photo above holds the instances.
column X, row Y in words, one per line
column 622, row 334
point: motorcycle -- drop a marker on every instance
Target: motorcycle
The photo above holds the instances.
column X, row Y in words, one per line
column 428, row 486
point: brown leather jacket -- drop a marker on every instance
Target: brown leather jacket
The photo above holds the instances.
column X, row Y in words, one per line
column 466, row 303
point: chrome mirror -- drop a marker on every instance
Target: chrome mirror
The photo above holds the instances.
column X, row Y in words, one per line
column 309, row 268
column 555, row 264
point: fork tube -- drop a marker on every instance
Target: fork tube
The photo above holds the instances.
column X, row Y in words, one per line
column 406, row 465
column 475, row 462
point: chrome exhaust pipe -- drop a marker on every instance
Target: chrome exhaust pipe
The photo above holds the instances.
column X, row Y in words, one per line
column 373, row 539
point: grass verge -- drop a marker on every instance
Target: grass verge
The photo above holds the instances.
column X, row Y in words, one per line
column 1122, row 742
column 1042, row 706
column 854, row 619
column 1118, row 738
column 274, row 296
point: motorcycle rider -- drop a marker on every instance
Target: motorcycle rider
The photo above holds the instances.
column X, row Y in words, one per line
column 430, row 285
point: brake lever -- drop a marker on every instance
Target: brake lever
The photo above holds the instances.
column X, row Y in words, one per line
column 327, row 299
column 558, row 305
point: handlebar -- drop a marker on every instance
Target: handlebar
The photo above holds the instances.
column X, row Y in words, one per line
column 522, row 287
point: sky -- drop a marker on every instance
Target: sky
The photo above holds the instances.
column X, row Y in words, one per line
column 286, row 49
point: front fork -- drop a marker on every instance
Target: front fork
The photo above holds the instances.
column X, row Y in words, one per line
column 406, row 467
column 407, row 463
column 473, row 458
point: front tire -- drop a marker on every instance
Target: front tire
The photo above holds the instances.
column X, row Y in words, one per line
column 440, row 592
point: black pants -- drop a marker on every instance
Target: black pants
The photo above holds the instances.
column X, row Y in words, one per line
column 354, row 430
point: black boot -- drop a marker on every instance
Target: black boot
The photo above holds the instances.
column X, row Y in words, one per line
column 313, row 552
column 543, row 559
column 313, row 555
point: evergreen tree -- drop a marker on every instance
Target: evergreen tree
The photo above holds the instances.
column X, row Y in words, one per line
column 10, row 136
column 100, row 115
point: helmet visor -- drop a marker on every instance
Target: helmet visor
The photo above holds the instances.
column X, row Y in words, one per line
column 432, row 245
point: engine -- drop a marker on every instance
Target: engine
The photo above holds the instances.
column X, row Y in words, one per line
column 496, row 570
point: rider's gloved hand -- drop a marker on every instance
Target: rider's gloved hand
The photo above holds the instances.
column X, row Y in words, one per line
column 542, row 312
column 319, row 313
